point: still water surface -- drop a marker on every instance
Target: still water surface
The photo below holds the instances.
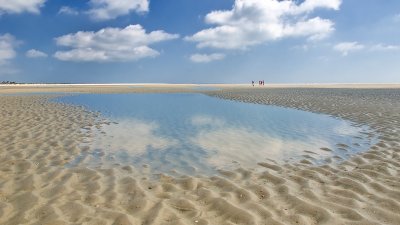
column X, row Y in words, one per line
column 195, row 133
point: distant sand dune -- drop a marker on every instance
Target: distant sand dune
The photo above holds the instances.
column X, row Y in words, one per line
column 39, row 138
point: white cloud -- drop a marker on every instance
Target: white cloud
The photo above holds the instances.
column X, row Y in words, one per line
column 7, row 53
column 205, row 58
column 19, row 6
column 66, row 10
column 384, row 47
column 346, row 47
column 310, row 5
column 111, row 44
column 252, row 22
column 7, row 45
column 111, row 9
column 33, row 53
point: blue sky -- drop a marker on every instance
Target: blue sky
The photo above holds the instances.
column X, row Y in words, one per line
column 207, row 41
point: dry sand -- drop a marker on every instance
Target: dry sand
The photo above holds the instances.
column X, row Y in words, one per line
column 38, row 138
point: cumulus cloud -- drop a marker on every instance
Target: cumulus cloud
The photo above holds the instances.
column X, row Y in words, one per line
column 111, row 9
column 111, row 44
column 205, row 58
column 66, row 10
column 7, row 53
column 346, row 47
column 19, row 6
column 33, row 53
column 252, row 22
column 385, row 47
column 7, row 45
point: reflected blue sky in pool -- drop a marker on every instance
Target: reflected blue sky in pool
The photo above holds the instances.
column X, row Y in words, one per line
column 195, row 132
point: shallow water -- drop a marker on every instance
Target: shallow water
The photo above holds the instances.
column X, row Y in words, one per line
column 190, row 133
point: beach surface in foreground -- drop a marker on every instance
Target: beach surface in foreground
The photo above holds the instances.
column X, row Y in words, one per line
column 39, row 137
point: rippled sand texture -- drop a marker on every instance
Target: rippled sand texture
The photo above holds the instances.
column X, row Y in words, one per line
column 37, row 138
column 362, row 190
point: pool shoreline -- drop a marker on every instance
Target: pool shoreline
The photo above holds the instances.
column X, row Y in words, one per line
column 213, row 133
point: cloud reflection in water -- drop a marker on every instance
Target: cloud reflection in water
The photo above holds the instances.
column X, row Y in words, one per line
column 226, row 143
column 132, row 135
column 192, row 132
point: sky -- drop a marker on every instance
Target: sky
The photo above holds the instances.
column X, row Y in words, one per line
column 193, row 41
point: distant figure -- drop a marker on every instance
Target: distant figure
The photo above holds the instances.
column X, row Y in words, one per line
column 262, row 82
column 252, row 83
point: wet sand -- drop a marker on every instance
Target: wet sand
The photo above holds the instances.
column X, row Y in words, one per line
column 38, row 138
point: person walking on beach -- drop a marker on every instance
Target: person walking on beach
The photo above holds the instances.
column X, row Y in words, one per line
column 252, row 83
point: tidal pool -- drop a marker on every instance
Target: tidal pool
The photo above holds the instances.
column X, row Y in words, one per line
column 189, row 133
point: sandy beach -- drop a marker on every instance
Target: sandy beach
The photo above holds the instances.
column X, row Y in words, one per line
column 38, row 138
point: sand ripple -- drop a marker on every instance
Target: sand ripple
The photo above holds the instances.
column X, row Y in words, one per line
column 38, row 138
